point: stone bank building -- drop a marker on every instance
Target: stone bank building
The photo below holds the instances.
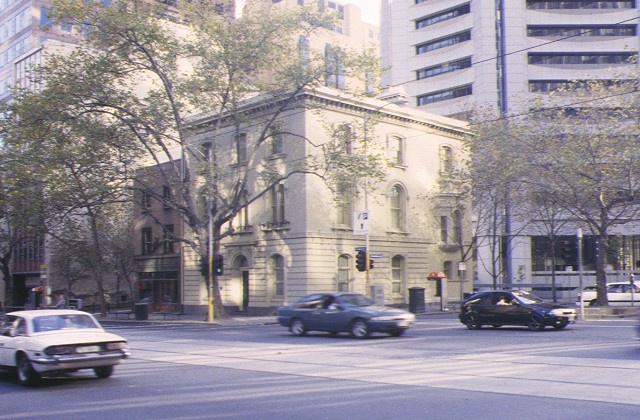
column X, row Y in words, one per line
column 300, row 238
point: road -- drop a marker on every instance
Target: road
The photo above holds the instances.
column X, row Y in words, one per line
column 439, row 370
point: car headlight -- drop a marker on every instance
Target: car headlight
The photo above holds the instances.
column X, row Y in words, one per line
column 410, row 317
column 58, row 350
column 562, row 312
column 118, row 345
column 383, row 318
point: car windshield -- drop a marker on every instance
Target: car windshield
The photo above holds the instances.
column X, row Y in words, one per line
column 63, row 322
column 527, row 297
column 356, row 300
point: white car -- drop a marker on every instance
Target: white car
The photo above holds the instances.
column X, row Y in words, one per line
column 618, row 294
column 54, row 341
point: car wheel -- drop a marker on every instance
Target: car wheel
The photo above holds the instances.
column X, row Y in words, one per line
column 103, row 372
column 560, row 326
column 535, row 322
column 26, row 374
column 397, row 333
column 472, row 321
column 359, row 329
column 297, row 327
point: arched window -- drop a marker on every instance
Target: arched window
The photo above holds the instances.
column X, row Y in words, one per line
column 397, row 274
column 447, row 268
column 344, row 273
column 277, row 275
column 397, row 206
column 203, row 205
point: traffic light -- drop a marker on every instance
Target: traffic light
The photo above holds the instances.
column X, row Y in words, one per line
column 204, row 266
column 370, row 264
column 567, row 249
column 361, row 261
column 218, row 265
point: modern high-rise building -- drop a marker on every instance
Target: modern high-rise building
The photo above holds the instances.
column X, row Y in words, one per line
column 451, row 55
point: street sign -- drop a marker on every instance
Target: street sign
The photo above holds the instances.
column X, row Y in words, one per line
column 375, row 256
column 361, row 248
column 361, row 223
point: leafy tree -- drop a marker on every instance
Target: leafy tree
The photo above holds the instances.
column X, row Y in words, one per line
column 144, row 68
column 578, row 151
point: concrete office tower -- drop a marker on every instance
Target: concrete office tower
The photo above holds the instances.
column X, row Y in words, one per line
column 453, row 54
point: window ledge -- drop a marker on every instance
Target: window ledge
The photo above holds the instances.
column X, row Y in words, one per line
column 274, row 226
column 449, row 247
column 398, row 166
column 276, row 156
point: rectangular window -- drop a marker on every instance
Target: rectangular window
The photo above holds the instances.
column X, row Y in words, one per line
column 443, row 68
column 303, row 50
column 277, row 147
column 581, row 30
column 167, row 240
column 444, row 229
column 44, row 17
column 443, row 42
column 166, row 196
column 443, row 16
column 580, row 58
column 145, row 201
column 395, row 151
column 576, row 4
column 241, row 148
column 277, row 205
column 444, row 95
column 344, row 207
column 147, row 241
column 335, row 76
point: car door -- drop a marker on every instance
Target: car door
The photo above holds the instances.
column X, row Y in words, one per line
column 7, row 329
column 305, row 309
column 506, row 313
column 617, row 295
column 314, row 314
column 485, row 307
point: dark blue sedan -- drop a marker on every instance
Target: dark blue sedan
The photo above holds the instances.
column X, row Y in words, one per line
column 352, row 313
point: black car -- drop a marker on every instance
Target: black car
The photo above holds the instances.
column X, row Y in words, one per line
column 515, row 307
column 343, row 312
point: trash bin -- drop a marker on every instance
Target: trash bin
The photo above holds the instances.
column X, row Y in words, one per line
column 141, row 311
column 416, row 300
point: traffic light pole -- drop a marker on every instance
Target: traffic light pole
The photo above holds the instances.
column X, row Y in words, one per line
column 366, row 263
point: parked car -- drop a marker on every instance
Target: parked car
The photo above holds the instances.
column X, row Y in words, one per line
column 618, row 294
column 353, row 313
column 516, row 307
column 55, row 341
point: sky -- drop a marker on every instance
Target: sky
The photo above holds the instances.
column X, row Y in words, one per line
column 370, row 9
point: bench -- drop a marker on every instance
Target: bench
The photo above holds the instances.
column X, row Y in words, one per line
column 127, row 312
column 170, row 309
